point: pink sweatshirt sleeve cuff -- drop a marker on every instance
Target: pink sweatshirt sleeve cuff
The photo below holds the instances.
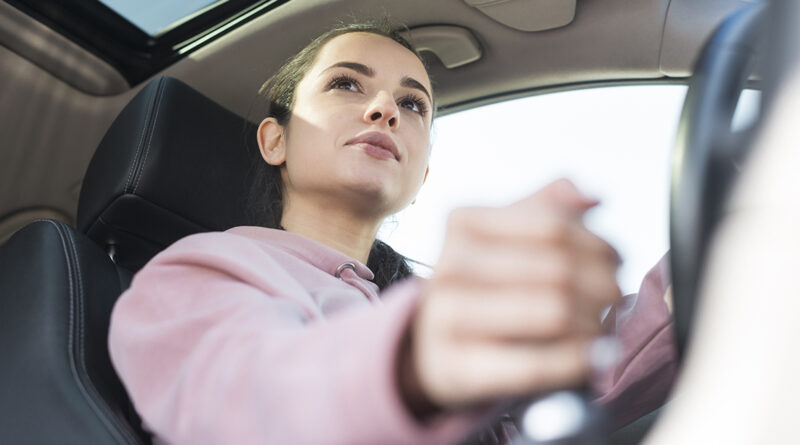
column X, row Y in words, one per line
column 387, row 407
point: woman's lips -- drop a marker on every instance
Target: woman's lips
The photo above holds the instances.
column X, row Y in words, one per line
column 376, row 144
column 375, row 150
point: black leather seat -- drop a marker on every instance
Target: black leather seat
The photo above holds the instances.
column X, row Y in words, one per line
column 173, row 163
column 56, row 292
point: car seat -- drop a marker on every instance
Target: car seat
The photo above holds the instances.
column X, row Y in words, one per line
column 170, row 165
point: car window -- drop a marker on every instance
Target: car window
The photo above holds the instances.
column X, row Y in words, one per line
column 747, row 110
column 152, row 16
column 614, row 142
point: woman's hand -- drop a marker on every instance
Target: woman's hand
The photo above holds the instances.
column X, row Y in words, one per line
column 513, row 305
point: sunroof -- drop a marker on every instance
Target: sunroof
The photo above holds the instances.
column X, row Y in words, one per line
column 142, row 37
column 158, row 16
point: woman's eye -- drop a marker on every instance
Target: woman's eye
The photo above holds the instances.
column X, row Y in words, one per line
column 344, row 83
column 414, row 104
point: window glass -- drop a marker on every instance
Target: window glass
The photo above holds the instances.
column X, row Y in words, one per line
column 614, row 143
column 156, row 16
column 747, row 110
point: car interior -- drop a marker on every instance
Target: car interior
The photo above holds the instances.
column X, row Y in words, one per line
column 118, row 142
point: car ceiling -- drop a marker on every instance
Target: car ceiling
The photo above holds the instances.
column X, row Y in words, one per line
column 57, row 99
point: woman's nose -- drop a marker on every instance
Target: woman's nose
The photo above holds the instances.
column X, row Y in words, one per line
column 382, row 109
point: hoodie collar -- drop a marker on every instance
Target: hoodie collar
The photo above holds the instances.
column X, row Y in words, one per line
column 319, row 255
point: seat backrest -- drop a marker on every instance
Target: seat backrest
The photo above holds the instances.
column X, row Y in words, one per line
column 57, row 289
column 173, row 163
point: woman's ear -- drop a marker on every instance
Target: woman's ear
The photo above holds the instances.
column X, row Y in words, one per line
column 271, row 141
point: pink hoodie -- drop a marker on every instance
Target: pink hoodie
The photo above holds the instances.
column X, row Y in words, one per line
column 257, row 335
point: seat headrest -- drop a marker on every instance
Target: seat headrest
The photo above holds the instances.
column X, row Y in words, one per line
column 173, row 163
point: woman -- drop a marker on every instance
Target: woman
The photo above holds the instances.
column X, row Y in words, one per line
column 258, row 335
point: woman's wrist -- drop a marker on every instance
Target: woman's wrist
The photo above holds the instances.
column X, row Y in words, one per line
column 411, row 393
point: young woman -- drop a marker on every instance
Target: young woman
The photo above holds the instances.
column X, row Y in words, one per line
column 280, row 335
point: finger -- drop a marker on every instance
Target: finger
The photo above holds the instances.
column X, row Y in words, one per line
column 493, row 266
column 586, row 243
column 561, row 195
column 507, row 230
column 504, row 315
column 503, row 225
column 497, row 370
column 501, row 267
column 514, row 316
column 595, row 282
column 588, row 320
column 528, row 306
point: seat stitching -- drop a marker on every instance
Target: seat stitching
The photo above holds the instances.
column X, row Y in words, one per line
column 77, row 300
column 138, row 147
column 81, row 345
column 71, row 297
column 151, row 129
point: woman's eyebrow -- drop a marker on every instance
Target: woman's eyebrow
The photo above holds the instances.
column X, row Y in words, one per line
column 408, row 82
column 355, row 66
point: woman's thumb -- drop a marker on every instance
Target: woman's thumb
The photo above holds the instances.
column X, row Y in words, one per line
column 561, row 195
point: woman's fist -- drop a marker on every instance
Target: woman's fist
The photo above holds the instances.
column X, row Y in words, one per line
column 513, row 304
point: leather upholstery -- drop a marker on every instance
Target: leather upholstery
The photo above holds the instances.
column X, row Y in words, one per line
column 173, row 163
column 170, row 165
column 57, row 289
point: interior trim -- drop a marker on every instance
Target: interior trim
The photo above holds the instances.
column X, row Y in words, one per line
column 58, row 55
column 528, row 15
column 453, row 45
column 550, row 89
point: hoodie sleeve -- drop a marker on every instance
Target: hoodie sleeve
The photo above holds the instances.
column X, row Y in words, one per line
column 209, row 359
column 643, row 376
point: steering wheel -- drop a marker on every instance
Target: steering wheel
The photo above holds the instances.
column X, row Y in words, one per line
column 704, row 163
column 707, row 153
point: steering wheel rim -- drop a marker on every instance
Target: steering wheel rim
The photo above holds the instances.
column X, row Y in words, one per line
column 706, row 154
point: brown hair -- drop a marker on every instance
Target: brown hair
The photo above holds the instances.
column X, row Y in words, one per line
column 278, row 95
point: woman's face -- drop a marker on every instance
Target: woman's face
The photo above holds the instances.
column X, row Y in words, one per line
column 360, row 127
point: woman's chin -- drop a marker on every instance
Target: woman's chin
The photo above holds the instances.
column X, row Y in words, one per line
column 374, row 195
